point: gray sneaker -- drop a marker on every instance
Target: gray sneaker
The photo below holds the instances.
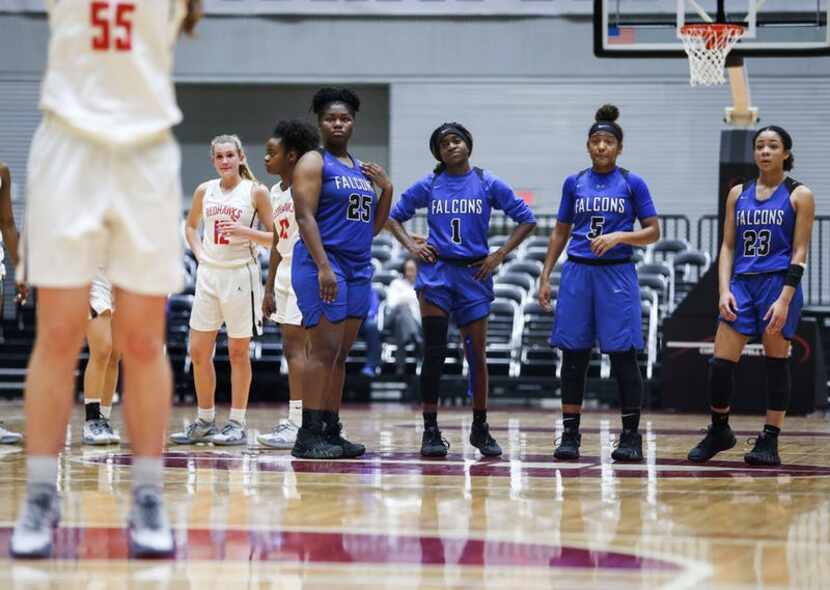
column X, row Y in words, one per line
column 115, row 438
column 232, row 434
column 7, row 437
column 283, row 436
column 198, row 431
column 96, row 432
column 149, row 533
column 32, row 537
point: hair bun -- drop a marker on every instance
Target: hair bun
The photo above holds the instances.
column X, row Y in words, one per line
column 607, row 113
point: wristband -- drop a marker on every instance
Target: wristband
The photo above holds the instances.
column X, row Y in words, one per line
column 794, row 274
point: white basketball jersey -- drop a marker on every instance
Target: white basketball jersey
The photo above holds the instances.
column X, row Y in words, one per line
column 110, row 64
column 284, row 221
column 237, row 205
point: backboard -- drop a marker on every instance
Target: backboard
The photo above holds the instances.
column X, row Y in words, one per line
column 648, row 28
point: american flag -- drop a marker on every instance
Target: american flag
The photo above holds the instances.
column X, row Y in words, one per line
column 620, row 35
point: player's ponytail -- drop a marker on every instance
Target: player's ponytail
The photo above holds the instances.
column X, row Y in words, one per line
column 193, row 16
column 244, row 170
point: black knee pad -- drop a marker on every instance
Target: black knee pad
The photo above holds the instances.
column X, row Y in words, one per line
column 435, row 353
column 574, row 369
column 721, row 377
column 778, row 384
column 629, row 381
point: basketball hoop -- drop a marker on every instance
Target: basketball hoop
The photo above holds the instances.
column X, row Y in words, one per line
column 707, row 45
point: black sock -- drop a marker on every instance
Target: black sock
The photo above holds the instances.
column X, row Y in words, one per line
column 430, row 419
column 570, row 422
column 93, row 411
column 720, row 420
column 631, row 420
column 330, row 417
column 312, row 419
column 479, row 416
column 771, row 430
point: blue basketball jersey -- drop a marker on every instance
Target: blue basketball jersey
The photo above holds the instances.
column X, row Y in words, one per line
column 764, row 230
column 458, row 210
column 598, row 204
column 346, row 209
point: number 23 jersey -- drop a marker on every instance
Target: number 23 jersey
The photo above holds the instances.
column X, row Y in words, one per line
column 598, row 204
column 346, row 210
column 764, row 229
column 109, row 68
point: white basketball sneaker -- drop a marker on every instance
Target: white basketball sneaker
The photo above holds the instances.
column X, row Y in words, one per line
column 232, row 434
column 32, row 537
column 149, row 533
column 7, row 437
column 283, row 436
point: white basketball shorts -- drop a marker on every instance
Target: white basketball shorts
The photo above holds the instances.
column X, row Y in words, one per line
column 92, row 205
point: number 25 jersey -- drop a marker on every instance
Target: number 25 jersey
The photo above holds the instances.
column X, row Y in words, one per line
column 764, row 229
column 346, row 210
column 109, row 68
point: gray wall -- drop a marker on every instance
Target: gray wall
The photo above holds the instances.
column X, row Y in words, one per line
column 527, row 87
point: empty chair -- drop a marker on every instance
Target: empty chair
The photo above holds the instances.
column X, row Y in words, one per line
column 666, row 249
column 530, row 267
column 658, row 284
column 384, row 240
column 690, row 265
column 381, row 252
column 537, row 359
column 537, row 242
column 667, row 272
column 385, row 277
column 503, row 337
column 518, row 279
column 511, row 292
column 535, row 253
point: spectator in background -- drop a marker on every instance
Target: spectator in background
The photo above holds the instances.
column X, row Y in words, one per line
column 404, row 313
column 371, row 334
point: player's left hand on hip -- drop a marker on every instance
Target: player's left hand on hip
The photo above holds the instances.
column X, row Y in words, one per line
column 487, row 265
column 776, row 315
column 376, row 174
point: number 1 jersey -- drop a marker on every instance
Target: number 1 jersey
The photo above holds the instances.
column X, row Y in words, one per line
column 598, row 204
column 764, row 230
column 109, row 67
column 458, row 210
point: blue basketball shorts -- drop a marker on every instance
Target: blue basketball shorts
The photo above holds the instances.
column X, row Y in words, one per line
column 754, row 295
column 452, row 286
column 354, row 286
column 598, row 303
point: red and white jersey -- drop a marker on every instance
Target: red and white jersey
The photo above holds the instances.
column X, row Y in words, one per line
column 110, row 64
column 237, row 205
column 284, row 221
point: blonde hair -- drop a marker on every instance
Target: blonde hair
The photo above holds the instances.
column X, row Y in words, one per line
column 244, row 170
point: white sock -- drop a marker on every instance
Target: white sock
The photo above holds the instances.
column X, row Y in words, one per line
column 237, row 415
column 295, row 411
column 106, row 411
column 208, row 415
column 89, row 400
column 42, row 469
column 147, row 471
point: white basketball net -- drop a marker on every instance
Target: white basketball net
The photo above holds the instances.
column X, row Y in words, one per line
column 707, row 46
